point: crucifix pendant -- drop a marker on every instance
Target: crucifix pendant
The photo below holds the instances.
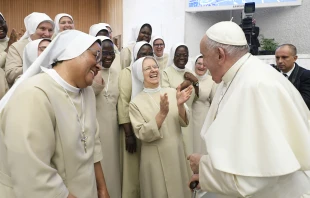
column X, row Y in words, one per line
column 84, row 138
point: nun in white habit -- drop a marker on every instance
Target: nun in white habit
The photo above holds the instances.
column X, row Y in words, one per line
column 141, row 32
column 175, row 74
column 201, row 105
column 63, row 21
column 106, row 106
column 130, row 147
column 157, row 115
column 54, row 150
column 101, row 29
column 158, row 44
column 98, row 29
column 14, row 60
column 111, row 36
column 32, row 51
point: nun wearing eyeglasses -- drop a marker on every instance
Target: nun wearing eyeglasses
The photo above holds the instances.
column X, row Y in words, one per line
column 201, row 105
column 38, row 26
column 157, row 115
column 32, row 50
column 140, row 33
column 101, row 29
column 177, row 74
column 55, row 150
column 110, row 35
column 159, row 47
column 130, row 146
column 106, row 106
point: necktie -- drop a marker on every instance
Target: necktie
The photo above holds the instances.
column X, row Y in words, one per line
column 285, row 75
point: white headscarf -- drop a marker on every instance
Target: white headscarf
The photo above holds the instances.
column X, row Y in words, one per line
column 66, row 45
column 194, row 69
column 6, row 38
column 154, row 38
column 31, row 53
column 152, row 43
column 136, row 31
column 137, row 76
column 103, row 38
column 32, row 21
column 106, row 25
column 57, row 19
column 136, row 49
column 172, row 53
column 94, row 29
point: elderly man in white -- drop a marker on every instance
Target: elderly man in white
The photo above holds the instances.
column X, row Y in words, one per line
column 257, row 131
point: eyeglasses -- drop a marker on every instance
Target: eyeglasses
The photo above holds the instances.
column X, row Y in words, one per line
column 159, row 45
column 105, row 53
column 183, row 55
column 150, row 67
column 98, row 55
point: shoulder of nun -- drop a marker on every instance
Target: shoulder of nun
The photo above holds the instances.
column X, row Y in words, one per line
column 22, row 42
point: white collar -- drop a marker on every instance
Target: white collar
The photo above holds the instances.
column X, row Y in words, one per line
column 4, row 39
column 159, row 56
column 229, row 75
column 200, row 78
column 178, row 69
column 151, row 90
column 52, row 73
column 289, row 72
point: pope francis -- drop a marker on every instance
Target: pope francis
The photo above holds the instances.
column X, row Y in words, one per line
column 257, row 131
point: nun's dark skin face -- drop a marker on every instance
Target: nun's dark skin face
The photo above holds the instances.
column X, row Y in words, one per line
column 145, row 50
column 145, row 34
column 103, row 33
column 108, row 53
column 181, row 57
column 3, row 28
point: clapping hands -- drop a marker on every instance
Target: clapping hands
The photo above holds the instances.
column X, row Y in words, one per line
column 183, row 95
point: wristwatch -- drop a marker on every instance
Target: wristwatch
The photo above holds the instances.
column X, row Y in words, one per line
column 196, row 84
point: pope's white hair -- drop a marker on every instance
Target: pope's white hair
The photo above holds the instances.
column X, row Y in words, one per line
column 231, row 50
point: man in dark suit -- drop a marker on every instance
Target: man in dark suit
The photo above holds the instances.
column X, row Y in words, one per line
column 286, row 55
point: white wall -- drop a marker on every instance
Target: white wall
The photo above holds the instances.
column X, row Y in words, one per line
column 166, row 17
column 284, row 24
column 196, row 25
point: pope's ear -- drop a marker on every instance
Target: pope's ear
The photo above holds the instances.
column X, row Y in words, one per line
column 221, row 55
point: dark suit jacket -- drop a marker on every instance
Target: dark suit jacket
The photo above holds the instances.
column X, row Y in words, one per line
column 300, row 77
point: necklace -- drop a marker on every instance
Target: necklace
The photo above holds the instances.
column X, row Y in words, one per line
column 218, row 105
column 82, row 124
column 107, row 87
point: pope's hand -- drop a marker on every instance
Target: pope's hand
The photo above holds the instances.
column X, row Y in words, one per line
column 194, row 160
column 194, row 177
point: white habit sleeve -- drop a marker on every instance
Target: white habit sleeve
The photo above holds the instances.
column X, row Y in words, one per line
column 212, row 180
